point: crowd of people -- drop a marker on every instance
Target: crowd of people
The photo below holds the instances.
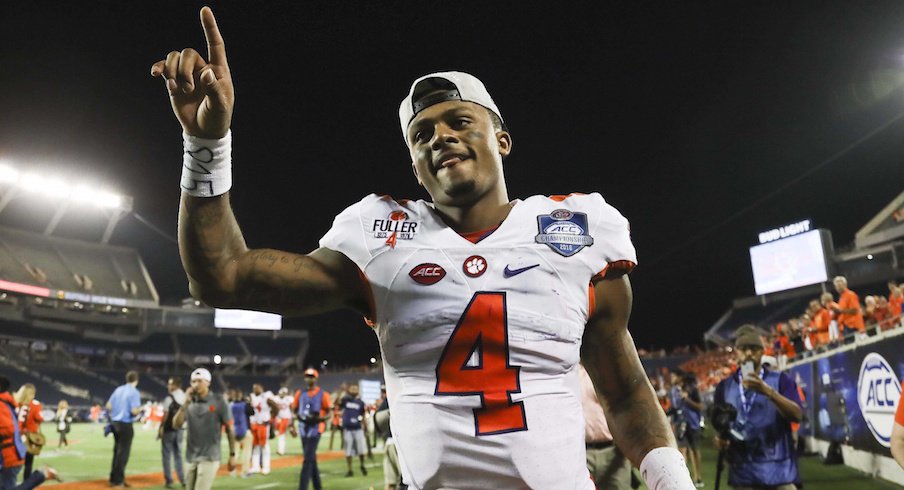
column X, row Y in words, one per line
column 830, row 321
column 190, row 424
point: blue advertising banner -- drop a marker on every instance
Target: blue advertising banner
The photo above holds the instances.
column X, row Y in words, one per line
column 803, row 376
column 853, row 394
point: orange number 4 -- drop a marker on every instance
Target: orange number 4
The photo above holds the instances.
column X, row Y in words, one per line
column 483, row 330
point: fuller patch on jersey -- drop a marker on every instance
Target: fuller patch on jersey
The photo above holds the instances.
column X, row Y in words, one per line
column 395, row 227
column 564, row 231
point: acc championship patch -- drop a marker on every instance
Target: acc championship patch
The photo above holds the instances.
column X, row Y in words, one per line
column 564, row 231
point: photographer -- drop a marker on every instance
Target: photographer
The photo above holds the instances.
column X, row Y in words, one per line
column 758, row 441
column 688, row 415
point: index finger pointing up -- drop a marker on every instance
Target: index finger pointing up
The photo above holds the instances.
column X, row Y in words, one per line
column 216, row 50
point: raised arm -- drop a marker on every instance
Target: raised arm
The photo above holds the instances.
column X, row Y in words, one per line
column 221, row 270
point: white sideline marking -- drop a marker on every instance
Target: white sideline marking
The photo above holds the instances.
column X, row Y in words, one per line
column 266, row 485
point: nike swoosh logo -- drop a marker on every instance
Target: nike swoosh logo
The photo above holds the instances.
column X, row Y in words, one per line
column 514, row 272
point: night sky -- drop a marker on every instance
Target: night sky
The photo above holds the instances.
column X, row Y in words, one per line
column 695, row 119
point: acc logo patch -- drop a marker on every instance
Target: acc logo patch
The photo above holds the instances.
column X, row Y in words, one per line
column 878, row 391
column 427, row 274
column 564, row 231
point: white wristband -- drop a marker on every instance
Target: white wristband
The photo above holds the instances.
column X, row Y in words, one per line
column 664, row 469
column 206, row 165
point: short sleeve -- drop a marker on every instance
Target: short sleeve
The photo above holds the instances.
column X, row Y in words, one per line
column 327, row 404
column 347, row 235
column 134, row 399
column 788, row 389
column 611, row 234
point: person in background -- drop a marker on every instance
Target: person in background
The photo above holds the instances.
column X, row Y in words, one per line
column 282, row 406
column 760, row 450
column 312, row 407
column 352, row 410
column 692, row 412
column 208, row 417
column 336, row 422
column 12, row 447
column 30, row 419
column 608, row 467
column 64, row 422
column 260, row 429
column 124, row 405
column 895, row 304
column 95, row 413
column 241, row 417
column 848, row 312
column 392, row 475
column 821, row 321
column 171, row 437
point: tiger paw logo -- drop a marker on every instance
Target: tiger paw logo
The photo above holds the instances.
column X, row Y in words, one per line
column 395, row 227
column 474, row 266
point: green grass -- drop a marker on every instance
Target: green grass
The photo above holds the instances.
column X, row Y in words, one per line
column 88, row 458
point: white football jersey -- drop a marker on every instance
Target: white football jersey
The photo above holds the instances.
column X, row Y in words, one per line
column 261, row 408
column 285, row 406
column 480, row 341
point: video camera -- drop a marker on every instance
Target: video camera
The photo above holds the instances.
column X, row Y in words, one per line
column 723, row 417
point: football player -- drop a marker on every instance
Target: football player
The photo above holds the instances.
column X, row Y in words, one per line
column 483, row 305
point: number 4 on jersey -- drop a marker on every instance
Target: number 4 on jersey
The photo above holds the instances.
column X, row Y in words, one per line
column 483, row 330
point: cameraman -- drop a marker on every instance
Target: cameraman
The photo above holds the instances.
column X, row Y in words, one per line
column 759, row 443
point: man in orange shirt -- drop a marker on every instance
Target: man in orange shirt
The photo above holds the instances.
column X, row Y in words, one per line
column 312, row 407
column 848, row 311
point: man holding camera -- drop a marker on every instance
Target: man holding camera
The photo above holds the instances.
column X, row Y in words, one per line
column 312, row 407
column 758, row 438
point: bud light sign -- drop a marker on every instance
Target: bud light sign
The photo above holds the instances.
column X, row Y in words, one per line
column 878, row 391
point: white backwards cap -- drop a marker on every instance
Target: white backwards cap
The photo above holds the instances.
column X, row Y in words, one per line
column 443, row 86
column 201, row 373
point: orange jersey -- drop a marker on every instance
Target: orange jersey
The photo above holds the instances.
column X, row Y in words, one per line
column 850, row 301
column 894, row 305
column 821, row 325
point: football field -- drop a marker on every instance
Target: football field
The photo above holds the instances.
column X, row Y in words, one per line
column 85, row 464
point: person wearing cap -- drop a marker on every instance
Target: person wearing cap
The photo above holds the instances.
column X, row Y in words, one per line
column 760, row 449
column 124, row 405
column 207, row 416
column 312, row 407
column 282, row 404
column 483, row 305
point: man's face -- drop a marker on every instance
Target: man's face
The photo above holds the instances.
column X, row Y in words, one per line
column 353, row 390
column 170, row 386
column 258, row 389
column 456, row 153
column 310, row 381
column 840, row 286
column 200, row 386
column 749, row 353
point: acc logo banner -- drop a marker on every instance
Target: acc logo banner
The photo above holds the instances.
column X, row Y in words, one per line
column 878, row 391
column 564, row 231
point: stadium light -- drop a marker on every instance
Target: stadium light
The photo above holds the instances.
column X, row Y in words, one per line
column 8, row 175
column 59, row 188
column 373, row 360
column 217, row 359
